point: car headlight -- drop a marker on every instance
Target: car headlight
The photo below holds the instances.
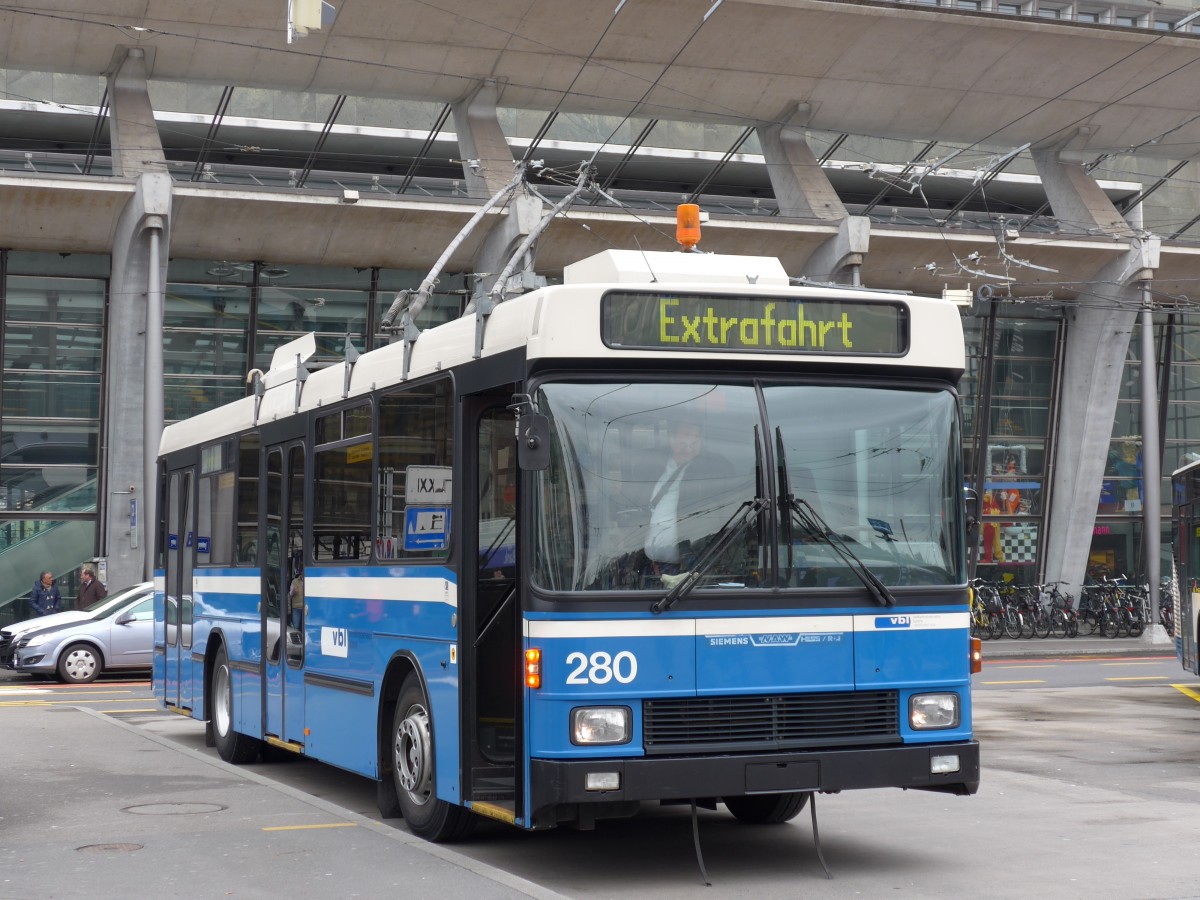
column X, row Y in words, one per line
column 600, row 725
column 930, row 711
column 36, row 641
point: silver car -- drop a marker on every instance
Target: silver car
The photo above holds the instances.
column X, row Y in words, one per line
column 10, row 634
column 119, row 635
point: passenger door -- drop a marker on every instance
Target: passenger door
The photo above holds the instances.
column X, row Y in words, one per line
column 491, row 608
column 180, row 547
column 283, row 606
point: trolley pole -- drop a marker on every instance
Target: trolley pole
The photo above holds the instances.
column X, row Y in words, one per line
column 1151, row 460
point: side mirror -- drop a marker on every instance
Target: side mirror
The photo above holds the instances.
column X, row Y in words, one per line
column 124, row 618
column 971, row 505
column 533, row 442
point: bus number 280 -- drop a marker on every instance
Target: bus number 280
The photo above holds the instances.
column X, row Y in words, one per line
column 601, row 667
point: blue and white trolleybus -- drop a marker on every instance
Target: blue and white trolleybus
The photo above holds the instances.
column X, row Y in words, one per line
column 672, row 530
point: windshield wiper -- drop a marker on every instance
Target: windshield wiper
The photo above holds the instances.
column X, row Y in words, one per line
column 742, row 516
column 810, row 520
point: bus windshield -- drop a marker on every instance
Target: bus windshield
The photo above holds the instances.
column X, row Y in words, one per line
column 649, row 482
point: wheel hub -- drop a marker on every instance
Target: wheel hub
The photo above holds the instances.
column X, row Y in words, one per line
column 413, row 758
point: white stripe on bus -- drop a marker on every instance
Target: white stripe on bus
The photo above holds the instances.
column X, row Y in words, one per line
column 589, row 628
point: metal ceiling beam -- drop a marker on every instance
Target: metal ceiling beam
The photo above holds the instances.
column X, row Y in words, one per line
column 438, row 125
column 211, row 136
column 716, row 169
column 338, row 103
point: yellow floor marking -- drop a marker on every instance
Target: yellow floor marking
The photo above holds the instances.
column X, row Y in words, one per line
column 308, row 827
column 56, row 690
column 1188, row 690
column 1140, row 662
column 1014, row 682
column 1023, row 667
column 1139, row 678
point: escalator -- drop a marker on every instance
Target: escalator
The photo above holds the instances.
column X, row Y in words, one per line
column 30, row 546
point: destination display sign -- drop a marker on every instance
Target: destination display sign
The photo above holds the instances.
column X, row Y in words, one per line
column 826, row 325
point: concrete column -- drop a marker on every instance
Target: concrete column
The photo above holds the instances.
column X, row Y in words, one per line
column 130, row 551
column 1079, row 204
column 1097, row 340
column 803, row 191
column 800, row 186
column 136, row 146
column 487, row 159
column 504, row 237
column 840, row 258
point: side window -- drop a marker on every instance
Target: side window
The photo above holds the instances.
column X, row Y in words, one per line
column 215, row 506
column 342, row 486
column 247, row 500
column 144, row 611
column 413, row 480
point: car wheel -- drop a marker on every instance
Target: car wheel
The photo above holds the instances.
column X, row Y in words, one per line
column 80, row 664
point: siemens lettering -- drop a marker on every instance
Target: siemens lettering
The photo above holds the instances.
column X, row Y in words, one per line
column 757, row 324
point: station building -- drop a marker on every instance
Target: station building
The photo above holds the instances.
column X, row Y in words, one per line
column 265, row 169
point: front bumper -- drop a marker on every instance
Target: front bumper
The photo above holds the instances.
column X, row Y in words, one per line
column 558, row 782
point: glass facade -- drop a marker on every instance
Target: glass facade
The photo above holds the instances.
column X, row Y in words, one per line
column 50, row 413
column 1015, row 449
column 1019, row 442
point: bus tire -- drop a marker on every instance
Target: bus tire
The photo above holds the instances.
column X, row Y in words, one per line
column 412, row 764
column 767, row 809
column 233, row 746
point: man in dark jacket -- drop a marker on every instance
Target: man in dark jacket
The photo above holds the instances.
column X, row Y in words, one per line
column 45, row 599
column 91, row 590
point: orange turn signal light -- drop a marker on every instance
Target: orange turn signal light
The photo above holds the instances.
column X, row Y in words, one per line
column 533, row 668
column 976, row 655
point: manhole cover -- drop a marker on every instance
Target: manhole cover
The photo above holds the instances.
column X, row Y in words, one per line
column 109, row 848
column 173, row 809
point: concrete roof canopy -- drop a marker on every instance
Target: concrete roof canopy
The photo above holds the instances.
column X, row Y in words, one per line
column 990, row 82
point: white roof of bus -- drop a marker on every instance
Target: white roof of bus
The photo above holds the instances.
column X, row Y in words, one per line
column 562, row 321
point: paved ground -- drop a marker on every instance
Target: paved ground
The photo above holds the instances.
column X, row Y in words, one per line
column 1146, row 645
column 95, row 808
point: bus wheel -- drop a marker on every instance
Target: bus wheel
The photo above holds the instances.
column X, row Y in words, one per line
column 767, row 809
column 233, row 746
column 413, row 772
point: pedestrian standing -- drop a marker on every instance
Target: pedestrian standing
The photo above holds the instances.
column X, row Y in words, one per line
column 91, row 589
column 45, row 598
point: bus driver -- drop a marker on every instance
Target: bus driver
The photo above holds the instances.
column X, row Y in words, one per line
column 687, row 483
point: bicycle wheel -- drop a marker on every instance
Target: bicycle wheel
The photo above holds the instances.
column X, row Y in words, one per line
column 1058, row 623
column 1026, row 623
column 1041, row 624
column 1010, row 622
column 1072, row 623
column 1136, row 624
column 1110, row 625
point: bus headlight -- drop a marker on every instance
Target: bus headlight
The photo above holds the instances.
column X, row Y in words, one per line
column 600, row 725
column 927, row 711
